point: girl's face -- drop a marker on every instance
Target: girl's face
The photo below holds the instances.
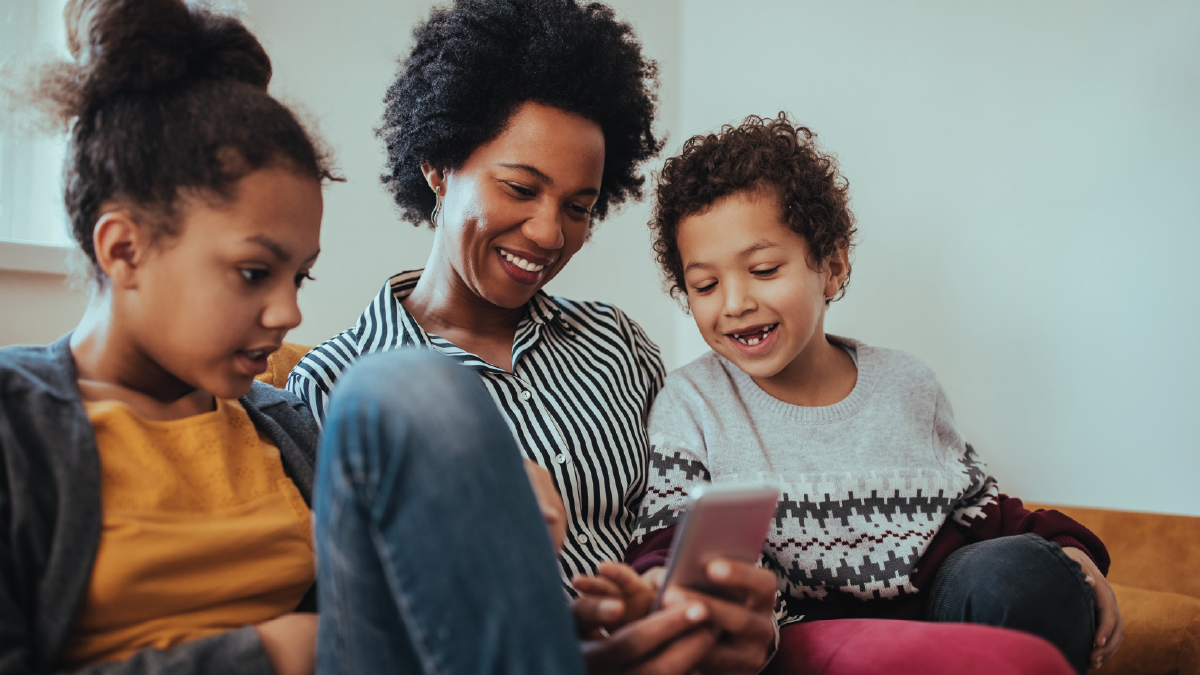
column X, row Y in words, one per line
column 751, row 284
column 209, row 304
column 519, row 208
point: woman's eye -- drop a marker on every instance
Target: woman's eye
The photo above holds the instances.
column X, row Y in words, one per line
column 253, row 274
column 302, row 276
column 521, row 190
column 762, row 274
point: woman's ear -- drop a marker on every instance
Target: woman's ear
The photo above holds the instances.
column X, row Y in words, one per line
column 435, row 178
column 120, row 245
column 837, row 270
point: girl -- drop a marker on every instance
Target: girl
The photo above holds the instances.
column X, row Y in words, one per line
column 155, row 500
column 886, row 511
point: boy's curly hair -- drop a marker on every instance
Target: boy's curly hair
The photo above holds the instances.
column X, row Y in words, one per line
column 772, row 154
column 475, row 62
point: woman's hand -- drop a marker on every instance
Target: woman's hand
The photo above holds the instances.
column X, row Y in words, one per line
column 747, row 629
column 551, row 503
column 290, row 642
column 613, row 598
column 1110, row 628
column 668, row 642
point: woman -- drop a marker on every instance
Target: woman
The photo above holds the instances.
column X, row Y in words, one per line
column 513, row 127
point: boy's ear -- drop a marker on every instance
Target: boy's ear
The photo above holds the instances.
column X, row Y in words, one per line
column 120, row 245
column 837, row 270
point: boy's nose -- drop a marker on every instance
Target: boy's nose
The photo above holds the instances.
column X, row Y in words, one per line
column 738, row 301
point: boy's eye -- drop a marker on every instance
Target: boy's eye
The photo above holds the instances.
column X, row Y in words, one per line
column 704, row 288
column 253, row 274
column 580, row 209
column 763, row 274
column 302, row 276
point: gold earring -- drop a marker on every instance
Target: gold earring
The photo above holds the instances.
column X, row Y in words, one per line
column 437, row 207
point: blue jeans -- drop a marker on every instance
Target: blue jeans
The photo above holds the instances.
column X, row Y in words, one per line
column 432, row 554
column 1022, row 582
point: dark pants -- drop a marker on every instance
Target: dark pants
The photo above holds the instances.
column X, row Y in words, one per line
column 1022, row 582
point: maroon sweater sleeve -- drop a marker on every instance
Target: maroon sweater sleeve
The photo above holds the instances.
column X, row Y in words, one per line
column 1008, row 516
column 653, row 550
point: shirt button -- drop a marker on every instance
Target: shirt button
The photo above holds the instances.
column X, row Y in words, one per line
column 561, row 459
column 581, row 538
column 525, row 396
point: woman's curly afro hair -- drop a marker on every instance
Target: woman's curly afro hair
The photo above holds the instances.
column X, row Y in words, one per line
column 476, row 62
column 772, row 154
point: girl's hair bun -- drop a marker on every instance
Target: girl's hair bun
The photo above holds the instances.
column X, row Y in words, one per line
column 139, row 45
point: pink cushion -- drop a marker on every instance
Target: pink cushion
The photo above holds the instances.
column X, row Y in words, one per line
column 863, row 646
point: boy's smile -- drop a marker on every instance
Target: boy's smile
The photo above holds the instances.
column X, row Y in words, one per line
column 759, row 300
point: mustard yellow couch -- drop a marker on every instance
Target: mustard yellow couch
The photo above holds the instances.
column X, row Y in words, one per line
column 1155, row 572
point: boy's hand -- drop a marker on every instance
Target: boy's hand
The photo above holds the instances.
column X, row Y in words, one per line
column 550, row 502
column 747, row 629
column 1110, row 629
column 614, row 598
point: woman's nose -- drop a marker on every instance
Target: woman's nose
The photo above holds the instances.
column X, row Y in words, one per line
column 545, row 228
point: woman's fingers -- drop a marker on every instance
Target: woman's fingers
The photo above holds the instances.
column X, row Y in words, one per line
column 670, row 641
column 594, row 612
column 758, row 583
column 596, row 586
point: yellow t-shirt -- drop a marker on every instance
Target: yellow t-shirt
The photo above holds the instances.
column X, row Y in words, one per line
column 203, row 533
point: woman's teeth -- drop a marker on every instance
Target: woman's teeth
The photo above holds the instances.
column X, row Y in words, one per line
column 521, row 262
column 756, row 337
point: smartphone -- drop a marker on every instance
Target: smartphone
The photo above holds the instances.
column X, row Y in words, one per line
column 727, row 520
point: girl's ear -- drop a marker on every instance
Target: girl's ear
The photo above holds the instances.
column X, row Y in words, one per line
column 120, row 245
column 837, row 270
column 435, row 178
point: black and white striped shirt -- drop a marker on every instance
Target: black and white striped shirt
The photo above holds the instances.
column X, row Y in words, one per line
column 577, row 401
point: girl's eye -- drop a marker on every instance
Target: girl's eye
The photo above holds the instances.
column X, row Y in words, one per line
column 764, row 274
column 253, row 274
column 302, row 276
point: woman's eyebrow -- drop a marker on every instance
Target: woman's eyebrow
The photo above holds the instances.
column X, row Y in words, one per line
column 537, row 173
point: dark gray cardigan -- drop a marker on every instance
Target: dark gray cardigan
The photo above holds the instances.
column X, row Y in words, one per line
column 50, row 518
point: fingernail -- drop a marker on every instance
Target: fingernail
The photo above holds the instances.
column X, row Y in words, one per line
column 671, row 596
column 720, row 570
column 1101, row 641
column 611, row 609
column 695, row 612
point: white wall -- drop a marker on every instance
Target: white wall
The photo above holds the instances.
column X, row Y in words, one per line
column 335, row 60
column 1026, row 182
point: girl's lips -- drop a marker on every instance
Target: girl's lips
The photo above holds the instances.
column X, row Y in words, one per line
column 517, row 274
column 764, row 345
column 253, row 366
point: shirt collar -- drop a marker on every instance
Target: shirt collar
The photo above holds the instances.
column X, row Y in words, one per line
column 541, row 308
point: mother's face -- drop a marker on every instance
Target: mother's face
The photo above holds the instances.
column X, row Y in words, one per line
column 519, row 207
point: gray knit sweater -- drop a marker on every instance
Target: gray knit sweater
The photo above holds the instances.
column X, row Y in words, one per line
column 866, row 482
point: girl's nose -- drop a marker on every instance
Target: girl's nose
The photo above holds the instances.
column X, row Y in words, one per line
column 282, row 311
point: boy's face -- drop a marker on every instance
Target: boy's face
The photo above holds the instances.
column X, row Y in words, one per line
column 753, row 289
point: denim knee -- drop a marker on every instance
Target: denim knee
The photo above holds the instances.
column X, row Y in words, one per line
column 1022, row 582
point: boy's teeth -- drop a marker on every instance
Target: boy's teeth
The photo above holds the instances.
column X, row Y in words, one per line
column 521, row 262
